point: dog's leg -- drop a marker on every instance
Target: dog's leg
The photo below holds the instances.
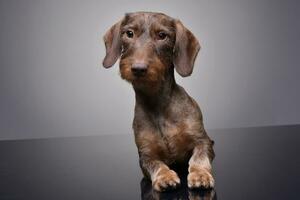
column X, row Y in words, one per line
column 200, row 169
column 153, row 155
column 161, row 175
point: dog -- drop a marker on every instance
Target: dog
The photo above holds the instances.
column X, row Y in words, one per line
column 168, row 125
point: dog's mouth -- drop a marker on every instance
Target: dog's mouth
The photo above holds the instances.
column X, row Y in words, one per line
column 139, row 80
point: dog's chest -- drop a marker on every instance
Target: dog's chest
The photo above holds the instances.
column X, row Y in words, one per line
column 174, row 136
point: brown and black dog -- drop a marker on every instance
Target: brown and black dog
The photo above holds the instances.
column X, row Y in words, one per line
column 168, row 125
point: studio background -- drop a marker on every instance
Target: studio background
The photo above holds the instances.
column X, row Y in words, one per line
column 52, row 82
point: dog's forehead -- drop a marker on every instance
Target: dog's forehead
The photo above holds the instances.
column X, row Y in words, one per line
column 147, row 19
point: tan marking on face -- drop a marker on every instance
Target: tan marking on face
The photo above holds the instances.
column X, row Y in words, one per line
column 125, row 70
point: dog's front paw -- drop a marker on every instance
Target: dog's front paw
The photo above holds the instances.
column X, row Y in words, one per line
column 200, row 178
column 165, row 179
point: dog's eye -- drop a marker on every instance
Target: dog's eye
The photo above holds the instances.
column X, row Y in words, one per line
column 129, row 34
column 162, row 35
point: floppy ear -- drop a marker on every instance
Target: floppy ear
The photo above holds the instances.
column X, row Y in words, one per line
column 185, row 50
column 113, row 45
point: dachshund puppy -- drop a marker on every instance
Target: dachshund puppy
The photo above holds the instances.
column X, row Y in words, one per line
column 167, row 123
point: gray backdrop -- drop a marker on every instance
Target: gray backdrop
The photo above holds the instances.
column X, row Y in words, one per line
column 52, row 82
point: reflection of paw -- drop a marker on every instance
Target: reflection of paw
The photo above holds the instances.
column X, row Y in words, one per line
column 165, row 179
column 204, row 194
column 200, row 178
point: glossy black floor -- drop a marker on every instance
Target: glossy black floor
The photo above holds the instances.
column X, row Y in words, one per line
column 250, row 163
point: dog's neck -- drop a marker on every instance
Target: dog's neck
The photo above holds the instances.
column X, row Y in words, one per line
column 157, row 98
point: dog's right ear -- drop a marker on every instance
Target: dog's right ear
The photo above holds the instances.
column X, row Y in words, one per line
column 112, row 45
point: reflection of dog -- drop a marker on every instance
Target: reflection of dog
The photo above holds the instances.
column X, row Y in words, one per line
column 147, row 193
column 168, row 123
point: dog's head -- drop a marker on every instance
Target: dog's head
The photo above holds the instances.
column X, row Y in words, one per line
column 150, row 45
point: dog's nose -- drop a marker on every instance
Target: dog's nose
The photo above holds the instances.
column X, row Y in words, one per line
column 139, row 69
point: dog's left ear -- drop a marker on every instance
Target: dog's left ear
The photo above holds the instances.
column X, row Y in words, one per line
column 113, row 45
column 185, row 50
